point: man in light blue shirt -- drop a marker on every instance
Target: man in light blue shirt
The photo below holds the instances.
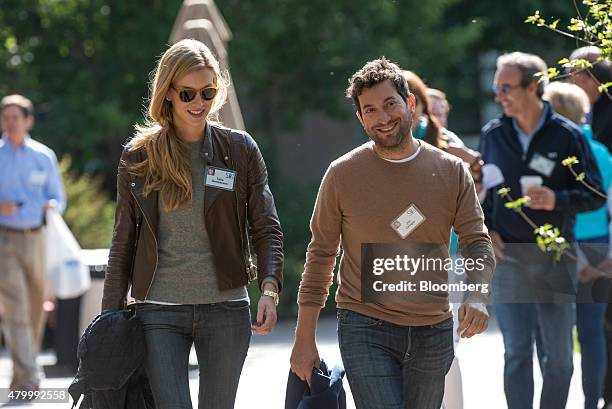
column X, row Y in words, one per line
column 30, row 183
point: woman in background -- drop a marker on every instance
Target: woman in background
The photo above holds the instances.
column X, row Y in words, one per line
column 428, row 127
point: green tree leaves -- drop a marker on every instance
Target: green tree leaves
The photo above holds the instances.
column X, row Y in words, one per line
column 85, row 65
column 89, row 213
column 591, row 27
column 290, row 56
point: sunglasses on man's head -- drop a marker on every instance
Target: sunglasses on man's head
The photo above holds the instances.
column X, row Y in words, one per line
column 189, row 94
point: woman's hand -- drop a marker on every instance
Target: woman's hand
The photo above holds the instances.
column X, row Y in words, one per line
column 589, row 273
column 606, row 267
column 473, row 161
column 266, row 312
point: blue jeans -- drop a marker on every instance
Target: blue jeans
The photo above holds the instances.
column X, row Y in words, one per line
column 554, row 323
column 395, row 367
column 221, row 334
column 592, row 337
column 531, row 296
column 590, row 313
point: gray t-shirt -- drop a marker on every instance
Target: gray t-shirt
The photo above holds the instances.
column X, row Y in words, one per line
column 185, row 271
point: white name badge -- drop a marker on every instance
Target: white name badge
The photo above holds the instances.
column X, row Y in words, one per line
column 409, row 220
column 38, row 177
column 542, row 165
column 220, row 178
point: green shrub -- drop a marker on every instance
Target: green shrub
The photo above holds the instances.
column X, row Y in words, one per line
column 90, row 212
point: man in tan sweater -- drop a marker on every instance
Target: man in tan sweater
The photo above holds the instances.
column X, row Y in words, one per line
column 389, row 194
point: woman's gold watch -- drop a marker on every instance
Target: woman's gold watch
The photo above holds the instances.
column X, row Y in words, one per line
column 272, row 294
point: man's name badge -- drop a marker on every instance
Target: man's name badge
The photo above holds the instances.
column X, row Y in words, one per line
column 38, row 177
column 220, row 178
column 542, row 164
column 409, row 220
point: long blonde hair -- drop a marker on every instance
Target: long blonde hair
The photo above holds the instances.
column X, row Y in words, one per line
column 167, row 167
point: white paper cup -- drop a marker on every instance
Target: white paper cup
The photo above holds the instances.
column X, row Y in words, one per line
column 527, row 182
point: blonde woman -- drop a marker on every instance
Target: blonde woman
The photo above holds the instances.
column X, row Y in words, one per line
column 187, row 188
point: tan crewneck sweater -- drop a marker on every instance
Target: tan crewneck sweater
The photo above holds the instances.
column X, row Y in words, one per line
column 361, row 195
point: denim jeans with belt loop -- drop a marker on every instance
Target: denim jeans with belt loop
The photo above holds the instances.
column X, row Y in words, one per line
column 221, row 334
column 390, row 366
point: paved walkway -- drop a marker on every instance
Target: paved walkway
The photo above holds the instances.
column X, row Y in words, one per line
column 265, row 373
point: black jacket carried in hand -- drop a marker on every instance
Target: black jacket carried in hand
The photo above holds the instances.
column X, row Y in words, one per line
column 111, row 353
column 325, row 391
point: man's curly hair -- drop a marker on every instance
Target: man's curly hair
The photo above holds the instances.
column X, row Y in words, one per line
column 375, row 72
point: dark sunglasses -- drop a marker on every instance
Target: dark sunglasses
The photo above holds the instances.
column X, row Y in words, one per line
column 189, row 94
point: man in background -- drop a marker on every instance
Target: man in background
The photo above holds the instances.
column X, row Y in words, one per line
column 533, row 293
column 30, row 183
column 590, row 79
column 439, row 105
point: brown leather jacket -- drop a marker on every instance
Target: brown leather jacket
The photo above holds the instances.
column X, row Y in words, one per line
column 228, row 216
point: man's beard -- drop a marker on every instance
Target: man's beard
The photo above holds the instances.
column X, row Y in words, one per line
column 399, row 140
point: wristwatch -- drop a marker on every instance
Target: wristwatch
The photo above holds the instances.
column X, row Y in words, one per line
column 272, row 294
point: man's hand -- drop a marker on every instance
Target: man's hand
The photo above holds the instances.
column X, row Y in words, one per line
column 304, row 357
column 498, row 245
column 473, row 319
column 266, row 312
column 541, row 198
column 51, row 204
column 8, row 208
